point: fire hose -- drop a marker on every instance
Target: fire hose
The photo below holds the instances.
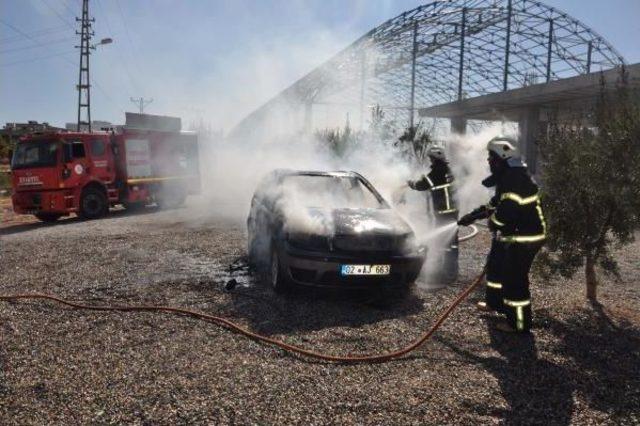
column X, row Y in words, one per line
column 470, row 235
column 372, row 358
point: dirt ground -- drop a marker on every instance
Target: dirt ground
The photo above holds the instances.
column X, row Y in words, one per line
column 59, row 366
column 8, row 218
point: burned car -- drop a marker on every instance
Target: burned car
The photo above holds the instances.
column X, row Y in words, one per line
column 329, row 229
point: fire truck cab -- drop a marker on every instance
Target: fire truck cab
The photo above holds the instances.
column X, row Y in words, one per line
column 148, row 160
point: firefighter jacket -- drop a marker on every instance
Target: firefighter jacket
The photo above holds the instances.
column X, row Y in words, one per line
column 439, row 182
column 517, row 214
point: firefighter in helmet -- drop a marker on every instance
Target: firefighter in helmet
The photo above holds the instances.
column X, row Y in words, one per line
column 439, row 182
column 518, row 226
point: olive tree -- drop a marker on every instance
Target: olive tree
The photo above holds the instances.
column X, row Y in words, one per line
column 339, row 142
column 591, row 185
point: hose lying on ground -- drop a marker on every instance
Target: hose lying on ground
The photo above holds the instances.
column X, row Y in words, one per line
column 260, row 338
column 474, row 232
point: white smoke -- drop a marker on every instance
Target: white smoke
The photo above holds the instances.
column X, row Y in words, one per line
column 233, row 168
column 468, row 155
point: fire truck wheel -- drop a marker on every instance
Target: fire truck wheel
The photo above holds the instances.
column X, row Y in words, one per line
column 171, row 197
column 93, row 204
column 48, row 217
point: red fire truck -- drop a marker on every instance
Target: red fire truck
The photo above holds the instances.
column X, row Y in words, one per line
column 148, row 160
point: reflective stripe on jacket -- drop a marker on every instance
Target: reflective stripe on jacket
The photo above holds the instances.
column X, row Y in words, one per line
column 518, row 215
column 439, row 182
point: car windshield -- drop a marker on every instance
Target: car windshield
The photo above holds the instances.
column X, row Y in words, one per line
column 35, row 154
column 332, row 192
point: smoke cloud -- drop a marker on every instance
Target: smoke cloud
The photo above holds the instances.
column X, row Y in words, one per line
column 232, row 168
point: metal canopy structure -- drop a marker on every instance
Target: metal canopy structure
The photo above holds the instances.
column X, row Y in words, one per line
column 568, row 95
column 442, row 52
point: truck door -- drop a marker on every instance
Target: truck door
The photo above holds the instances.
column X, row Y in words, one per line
column 101, row 159
column 75, row 163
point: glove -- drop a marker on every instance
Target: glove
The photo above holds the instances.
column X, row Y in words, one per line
column 467, row 219
column 411, row 184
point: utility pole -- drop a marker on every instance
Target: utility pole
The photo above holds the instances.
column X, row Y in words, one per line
column 84, row 83
column 141, row 102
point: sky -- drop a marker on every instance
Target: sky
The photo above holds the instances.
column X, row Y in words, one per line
column 209, row 60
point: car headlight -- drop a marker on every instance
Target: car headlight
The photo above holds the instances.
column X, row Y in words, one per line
column 409, row 244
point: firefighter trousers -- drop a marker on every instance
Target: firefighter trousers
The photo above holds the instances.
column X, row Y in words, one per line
column 516, row 297
column 495, row 281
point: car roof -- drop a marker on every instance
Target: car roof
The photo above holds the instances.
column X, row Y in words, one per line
column 290, row 172
column 276, row 176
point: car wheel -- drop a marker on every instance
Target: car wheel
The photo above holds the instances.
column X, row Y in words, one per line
column 93, row 204
column 48, row 217
column 277, row 278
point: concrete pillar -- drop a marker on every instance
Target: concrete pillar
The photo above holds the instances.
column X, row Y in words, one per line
column 529, row 126
column 459, row 125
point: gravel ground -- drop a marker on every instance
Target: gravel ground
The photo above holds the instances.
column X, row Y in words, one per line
column 59, row 366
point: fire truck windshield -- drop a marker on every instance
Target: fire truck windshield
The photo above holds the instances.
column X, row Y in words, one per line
column 43, row 153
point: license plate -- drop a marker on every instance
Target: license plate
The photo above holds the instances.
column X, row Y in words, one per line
column 365, row 269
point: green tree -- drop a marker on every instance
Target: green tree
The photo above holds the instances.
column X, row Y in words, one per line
column 591, row 186
column 414, row 143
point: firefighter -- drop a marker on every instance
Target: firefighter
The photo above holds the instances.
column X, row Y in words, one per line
column 517, row 222
column 439, row 182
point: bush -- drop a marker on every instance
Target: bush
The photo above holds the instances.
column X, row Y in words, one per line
column 5, row 179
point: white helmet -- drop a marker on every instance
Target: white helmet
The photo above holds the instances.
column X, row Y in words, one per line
column 437, row 152
column 504, row 147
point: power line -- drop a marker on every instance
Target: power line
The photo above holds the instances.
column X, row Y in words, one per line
column 128, row 34
column 58, row 14
column 40, row 58
column 36, row 33
column 49, row 43
column 69, row 9
column 60, row 55
column 69, row 62
column 19, row 31
column 132, row 81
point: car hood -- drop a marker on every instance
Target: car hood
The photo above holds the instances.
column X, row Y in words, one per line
column 348, row 222
column 369, row 221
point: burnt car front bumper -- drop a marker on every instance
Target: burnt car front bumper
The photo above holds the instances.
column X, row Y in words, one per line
column 323, row 269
